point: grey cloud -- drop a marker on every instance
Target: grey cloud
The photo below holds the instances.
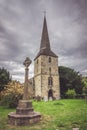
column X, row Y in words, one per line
column 21, row 27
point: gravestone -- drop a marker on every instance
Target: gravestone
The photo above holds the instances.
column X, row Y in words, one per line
column 24, row 114
column 75, row 128
column 45, row 99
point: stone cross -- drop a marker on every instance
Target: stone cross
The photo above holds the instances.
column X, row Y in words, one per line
column 26, row 63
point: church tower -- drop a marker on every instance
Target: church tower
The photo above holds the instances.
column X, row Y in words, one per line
column 46, row 75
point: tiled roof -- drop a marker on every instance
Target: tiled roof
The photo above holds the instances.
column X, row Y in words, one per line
column 45, row 43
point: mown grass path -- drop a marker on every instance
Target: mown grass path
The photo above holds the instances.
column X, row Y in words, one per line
column 56, row 115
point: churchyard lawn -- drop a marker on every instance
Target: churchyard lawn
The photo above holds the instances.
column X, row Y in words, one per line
column 56, row 115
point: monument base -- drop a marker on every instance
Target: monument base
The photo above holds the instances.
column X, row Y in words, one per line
column 24, row 114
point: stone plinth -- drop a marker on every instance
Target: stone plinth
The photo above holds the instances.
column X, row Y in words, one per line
column 24, row 107
column 19, row 120
column 24, row 114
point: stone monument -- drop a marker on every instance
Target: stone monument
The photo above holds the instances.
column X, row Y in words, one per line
column 24, row 114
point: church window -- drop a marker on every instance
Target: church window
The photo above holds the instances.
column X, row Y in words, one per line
column 50, row 70
column 37, row 61
column 50, row 81
column 49, row 59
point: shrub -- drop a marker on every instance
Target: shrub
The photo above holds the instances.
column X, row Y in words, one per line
column 12, row 94
column 11, row 100
column 71, row 93
column 85, row 90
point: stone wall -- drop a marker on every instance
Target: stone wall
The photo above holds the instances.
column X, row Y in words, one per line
column 42, row 70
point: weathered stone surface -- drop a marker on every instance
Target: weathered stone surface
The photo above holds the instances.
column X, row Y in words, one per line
column 24, row 107
column 24, row 111
column 75, row 128
column 41, row 72
column 26, row 63
column 17, row 119
column 25, row 114
column 25, row 104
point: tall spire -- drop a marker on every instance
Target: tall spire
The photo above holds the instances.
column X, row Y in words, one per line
column 45, row 48
column 45, row 43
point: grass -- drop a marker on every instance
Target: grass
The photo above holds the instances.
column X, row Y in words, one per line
column 56, row 115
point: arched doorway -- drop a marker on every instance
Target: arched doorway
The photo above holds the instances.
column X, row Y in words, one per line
column 50, row 94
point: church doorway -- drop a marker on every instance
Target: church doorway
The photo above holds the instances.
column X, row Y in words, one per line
column 50, row 94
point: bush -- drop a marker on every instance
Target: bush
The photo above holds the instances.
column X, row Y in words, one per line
column 85, row 90
column 11, row 100
column 71, row 93
column 12, row 94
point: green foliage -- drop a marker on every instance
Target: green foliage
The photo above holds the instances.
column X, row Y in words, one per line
column 12, row 94
column 69, row 79
column 85, row 90
column 11, row 100
column 85, row 85
column 71, row 93
column 4, row 78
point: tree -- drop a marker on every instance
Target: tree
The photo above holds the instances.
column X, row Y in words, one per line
column 4, row 78
column 69, row 79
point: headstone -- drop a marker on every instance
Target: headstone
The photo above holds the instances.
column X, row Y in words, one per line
column 75, row 128
column 50, row 98
column 45, row 99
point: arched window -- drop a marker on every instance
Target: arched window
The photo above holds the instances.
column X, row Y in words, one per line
column 49, row 59
column 50, row 70
column 50, row 81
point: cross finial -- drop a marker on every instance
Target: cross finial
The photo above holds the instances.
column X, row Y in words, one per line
column 45, row 13
column 27, row 62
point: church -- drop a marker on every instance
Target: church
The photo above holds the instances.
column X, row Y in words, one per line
column 46, row 76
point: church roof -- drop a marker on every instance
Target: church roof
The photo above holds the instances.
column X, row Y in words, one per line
column 45, row 48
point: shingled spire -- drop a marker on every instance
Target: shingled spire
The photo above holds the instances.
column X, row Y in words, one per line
column 45, row 48
column 45, row 43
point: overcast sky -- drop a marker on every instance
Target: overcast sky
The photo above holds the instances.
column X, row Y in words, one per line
column 21, row 24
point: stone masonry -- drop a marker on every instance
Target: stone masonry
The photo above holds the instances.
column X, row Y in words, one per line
column 46, row 75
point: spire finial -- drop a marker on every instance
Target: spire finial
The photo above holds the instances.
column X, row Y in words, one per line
column 45, row 13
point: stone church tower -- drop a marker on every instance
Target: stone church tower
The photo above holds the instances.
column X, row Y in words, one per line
column 46, row 76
